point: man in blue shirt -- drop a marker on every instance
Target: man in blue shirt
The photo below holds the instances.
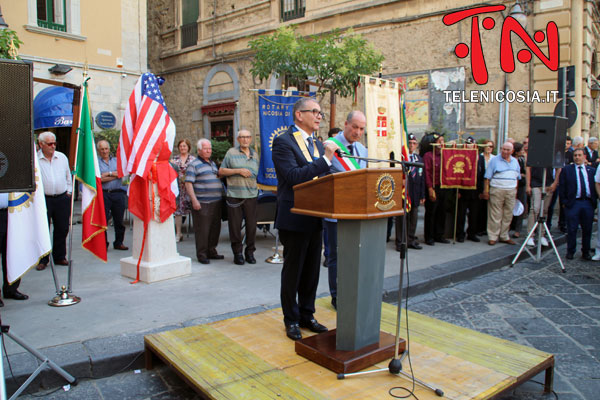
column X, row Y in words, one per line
column 500, row 188
column 115, row 195
column 349, row 142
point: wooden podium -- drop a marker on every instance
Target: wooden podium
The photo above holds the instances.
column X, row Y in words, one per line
column 361, row 201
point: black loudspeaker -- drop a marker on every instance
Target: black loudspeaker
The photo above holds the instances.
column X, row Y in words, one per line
column 16, row 121
column 547, row 136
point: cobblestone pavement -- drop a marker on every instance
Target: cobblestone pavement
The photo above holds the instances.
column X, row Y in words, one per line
column 535, row 305
column 531, row 304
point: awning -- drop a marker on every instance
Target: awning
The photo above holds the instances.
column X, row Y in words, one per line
column 53, row 107
column 219, row 109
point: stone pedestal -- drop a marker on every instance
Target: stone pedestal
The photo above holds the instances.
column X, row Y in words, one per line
column 160, row 260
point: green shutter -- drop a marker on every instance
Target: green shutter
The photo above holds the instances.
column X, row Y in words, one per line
column 189, row 11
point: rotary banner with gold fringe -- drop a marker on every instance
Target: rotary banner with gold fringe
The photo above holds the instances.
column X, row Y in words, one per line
column 384, row 126
column 275, row 117
column 459, row 167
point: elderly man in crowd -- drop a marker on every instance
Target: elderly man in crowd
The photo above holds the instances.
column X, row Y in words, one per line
column 591, row 152
column 240, row 166
column 58, row 186
column 578, row 196
column 500, row 188
column 115, row 195
column 298, row 157
column 349, row 142
column 206, row 193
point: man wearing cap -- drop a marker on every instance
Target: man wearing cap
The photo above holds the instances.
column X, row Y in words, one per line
column 500, row 188
column 415, row 184
column 435, row 213
column 467, row 208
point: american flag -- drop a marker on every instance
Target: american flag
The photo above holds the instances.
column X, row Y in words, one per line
column 146, row 128
column 146, row 142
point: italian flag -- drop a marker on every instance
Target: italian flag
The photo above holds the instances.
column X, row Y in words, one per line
column 87, row 172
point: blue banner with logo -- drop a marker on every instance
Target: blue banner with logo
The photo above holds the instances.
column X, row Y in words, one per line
column 275, row 117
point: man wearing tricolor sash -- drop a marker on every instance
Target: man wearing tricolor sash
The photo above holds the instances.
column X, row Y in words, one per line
column 349, row 143
column 298, row 157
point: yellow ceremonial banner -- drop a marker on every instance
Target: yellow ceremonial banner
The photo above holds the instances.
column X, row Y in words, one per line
column 384, row 127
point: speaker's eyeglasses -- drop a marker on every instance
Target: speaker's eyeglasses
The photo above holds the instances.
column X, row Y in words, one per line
column 50, row 144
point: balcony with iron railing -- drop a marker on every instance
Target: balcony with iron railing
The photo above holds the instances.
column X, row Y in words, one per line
column 52, row 25
column 189, row 35
column 292, row 9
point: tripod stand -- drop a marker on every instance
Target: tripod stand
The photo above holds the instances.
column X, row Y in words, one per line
column 537, row 227
column 5, row 331
column 395, row 365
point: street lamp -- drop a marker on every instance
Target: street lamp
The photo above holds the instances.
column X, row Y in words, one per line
column 3, row 24
column 519, row 12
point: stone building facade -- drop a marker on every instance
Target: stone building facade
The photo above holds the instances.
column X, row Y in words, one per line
column 201, row 48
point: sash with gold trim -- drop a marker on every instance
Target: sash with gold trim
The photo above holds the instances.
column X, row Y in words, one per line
column 304, row 148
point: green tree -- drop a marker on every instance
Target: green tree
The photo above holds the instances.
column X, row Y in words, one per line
column 333, row 61
column 8, row 36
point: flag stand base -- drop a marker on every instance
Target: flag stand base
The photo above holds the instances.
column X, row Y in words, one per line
column 64, row 299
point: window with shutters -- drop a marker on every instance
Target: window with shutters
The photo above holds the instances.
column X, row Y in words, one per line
column 51, row 14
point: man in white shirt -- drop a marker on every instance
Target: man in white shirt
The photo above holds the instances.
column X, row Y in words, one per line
column 58, row 186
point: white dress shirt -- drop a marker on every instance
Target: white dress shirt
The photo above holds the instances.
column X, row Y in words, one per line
column 56, row 174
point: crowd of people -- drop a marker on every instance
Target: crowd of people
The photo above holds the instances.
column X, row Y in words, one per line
column 508, row 192
column 208, row 192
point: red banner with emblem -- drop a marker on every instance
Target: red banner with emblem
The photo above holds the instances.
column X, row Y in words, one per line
column 459, row 167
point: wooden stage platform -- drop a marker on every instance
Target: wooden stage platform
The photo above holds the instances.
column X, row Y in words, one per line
column 250, row 357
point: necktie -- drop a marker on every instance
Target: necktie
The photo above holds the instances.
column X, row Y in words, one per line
column 351, row 149
column 311, row 147
column 583, row 192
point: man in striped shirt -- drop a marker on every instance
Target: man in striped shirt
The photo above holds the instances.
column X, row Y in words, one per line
column 240, row 166
column 206, row 193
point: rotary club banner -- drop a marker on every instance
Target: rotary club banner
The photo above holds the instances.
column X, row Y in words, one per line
column 459, row 167
column 384, row 126
column 275, row 117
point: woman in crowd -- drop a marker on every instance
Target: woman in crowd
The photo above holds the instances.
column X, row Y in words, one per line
column 482, row 164
column 181, row 163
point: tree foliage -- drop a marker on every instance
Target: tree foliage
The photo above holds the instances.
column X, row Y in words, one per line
column 333, row 61
column 6, row 37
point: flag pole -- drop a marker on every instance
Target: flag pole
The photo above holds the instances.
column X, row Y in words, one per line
column 63, row 296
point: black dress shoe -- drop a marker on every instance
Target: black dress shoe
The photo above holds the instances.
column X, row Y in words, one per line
column 293, row 332
column 473, row 238
column 442, row 240
column 217, row 257
column 250, row 258
column 238, row 259
column 121, row 247
column 569, row 256
column 1, row 303
column 460, row 239
column 430, row 242
column 61, row 262
column 415, row 245
column 313, row 325
column 16, row 295
column 586, row 257
column 203, row 260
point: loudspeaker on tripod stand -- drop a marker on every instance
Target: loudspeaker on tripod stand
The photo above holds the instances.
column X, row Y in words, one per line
column 16, row 135
column 547, row 136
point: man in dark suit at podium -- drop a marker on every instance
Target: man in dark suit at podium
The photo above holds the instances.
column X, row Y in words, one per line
column 299, row 158
column 578, row 196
